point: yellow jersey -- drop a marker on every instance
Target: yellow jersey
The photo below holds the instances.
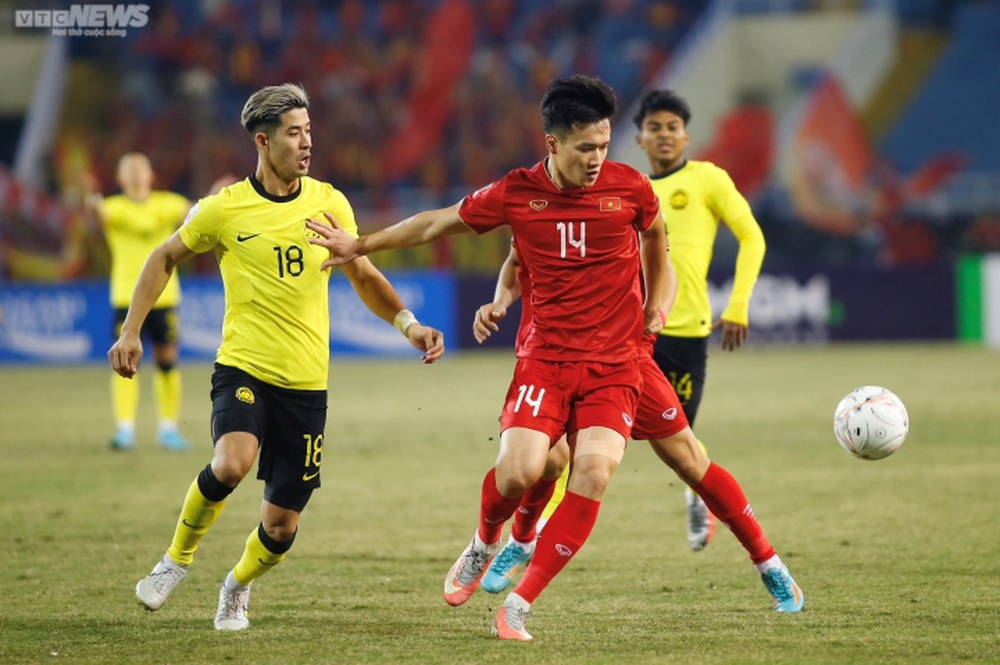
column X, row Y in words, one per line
column 694, row 199
column 276, row 325
column 133, row 230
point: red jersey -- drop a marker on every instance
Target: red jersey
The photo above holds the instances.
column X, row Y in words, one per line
column 579, row 249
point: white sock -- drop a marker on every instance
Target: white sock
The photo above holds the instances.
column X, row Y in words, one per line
column 527, row 547
column 231, row 584
column 514, row 600
column 773, row 562
column 126, row 427
column 478, row 544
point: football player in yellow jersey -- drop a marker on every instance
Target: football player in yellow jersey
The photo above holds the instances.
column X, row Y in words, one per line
column 135, row 222
column 270, row 380
column 696, row 196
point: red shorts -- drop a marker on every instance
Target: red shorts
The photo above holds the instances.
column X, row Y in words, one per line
column 560, row 397
column 659, row 414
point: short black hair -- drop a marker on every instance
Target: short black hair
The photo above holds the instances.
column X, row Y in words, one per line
column 662, row 100
column 576, row 101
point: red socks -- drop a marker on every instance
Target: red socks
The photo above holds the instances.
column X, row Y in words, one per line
column 494, row 509
column 532, row 505
column 565, row 533
column 724, row 497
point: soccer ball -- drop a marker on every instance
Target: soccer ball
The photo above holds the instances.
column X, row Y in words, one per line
column 871, row 423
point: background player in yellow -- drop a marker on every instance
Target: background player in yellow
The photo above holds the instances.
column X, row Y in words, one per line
column 269, row 387
column 135, row 223
column 695, row 197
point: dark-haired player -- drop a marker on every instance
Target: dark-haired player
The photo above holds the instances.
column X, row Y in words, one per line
column 696, row 197
column 589, row 234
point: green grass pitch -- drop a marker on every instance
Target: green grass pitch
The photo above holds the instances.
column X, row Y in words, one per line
column 899, row 559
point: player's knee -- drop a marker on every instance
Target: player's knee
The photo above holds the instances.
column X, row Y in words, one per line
column 515, row 482
column 211, row 487
column 277, row 537
column 556, row 461
column 230, row 469
column 165, row 356
column 591, row 475
column 683, row 453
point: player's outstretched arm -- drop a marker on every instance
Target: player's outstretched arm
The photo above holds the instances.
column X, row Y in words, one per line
column 508, row 290
column 378, row 294
column 420, row 229
column 126, row 352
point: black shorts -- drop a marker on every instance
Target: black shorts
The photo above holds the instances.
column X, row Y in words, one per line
column 160, row 327
column 684, row 360
column 288, row 423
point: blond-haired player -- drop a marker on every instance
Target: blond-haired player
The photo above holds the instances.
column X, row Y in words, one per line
column 269, row 388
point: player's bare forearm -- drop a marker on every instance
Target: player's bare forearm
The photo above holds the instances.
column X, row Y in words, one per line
column 420, row 229
column 378, row 294
column 156, row 272
column 374, row 289
column 125, row 353
column 658, row 274
column 508, row 289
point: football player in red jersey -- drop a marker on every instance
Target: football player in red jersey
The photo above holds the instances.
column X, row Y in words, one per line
column 660, row 419
column 590, row 236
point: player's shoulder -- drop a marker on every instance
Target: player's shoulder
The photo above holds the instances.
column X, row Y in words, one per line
column 314, row 188
column 707, row 170
column 237, row 191
column 164, row 195
column 522, row 175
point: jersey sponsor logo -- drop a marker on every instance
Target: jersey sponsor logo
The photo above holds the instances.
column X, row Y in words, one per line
column 679, row 199
column 610, row 203
column 245, row 395
column 538, row 204
column 563, row 550
column 627, row 418
column 243, row 238
column 670, row 413
column 306, row 477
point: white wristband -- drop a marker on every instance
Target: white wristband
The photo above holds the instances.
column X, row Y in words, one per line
column 404, row 319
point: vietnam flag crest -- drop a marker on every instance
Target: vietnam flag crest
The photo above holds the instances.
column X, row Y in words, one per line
column 611, row 203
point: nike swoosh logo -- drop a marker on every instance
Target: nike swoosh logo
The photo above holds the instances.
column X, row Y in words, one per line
column 191, row 526
column 309, row 476
column 265, row 563
column 243, row 238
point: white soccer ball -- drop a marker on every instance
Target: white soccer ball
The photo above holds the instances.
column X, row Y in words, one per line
column 871, row 423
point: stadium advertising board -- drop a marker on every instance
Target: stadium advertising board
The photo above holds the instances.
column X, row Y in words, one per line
column 65, row 324
column 817, row 304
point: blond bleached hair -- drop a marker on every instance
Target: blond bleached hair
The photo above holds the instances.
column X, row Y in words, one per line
column 264, row 109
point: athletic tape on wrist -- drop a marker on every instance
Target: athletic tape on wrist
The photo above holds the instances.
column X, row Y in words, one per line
column 404, row 319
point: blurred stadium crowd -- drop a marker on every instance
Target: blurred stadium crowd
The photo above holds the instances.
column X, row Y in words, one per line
column 415, row 102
